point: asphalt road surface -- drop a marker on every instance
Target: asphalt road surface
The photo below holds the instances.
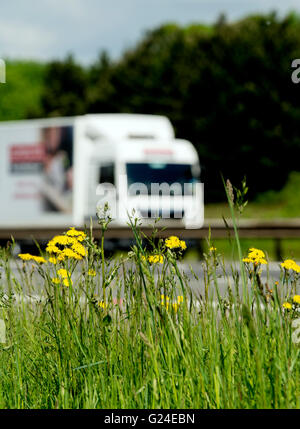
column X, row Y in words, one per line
column 193, row 271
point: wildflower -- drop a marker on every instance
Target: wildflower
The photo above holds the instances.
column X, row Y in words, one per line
column 92, row 273
column 156, row 259
column 287, row 305
column 39, row 259
column 173, row 242
column 255, row 256
column 63, row 273
column 80, row 235
column 183, row 245
column 59, row 239
column 296, row 299
column 67, row 282
column 52, row 248
column 53, row 260
column 78, row 248
column 56, row 281
column 289, row 264
column 175, row 306
column 165, row 302
column 212, row 249
column 25, row 256
column 28, row 257
column 102, row 304
column 61, row 257
column 69, row 253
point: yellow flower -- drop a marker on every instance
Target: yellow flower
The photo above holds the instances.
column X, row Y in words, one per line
column 60, row 239
column 212, row 249
column 28, row 257
column 56, row 281
column 92, row 273
column 51, row 248
column 289, row 264
column 183, row 245
column 25, row 256
column 156, row 259
column 165, row 299
column 53, row 260
column 63, row 273
column 287, row 305
column 69, row 253
column 296, row 299
column 175, row 306
column 61, row 257
column 165, row 302
column 67, row 282
column 78, row 248
column 173, row 242
column 256, row 257
column 102, row 304
column 39, row 259
column 74, row 233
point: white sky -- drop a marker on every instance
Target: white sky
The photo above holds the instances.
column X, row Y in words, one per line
column 44, row 29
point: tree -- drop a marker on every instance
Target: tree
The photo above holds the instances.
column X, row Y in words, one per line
column 65, row 89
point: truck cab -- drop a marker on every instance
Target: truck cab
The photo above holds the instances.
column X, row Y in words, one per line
column 137, row 166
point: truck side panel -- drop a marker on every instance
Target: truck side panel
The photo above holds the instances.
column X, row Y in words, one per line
column 36, row 174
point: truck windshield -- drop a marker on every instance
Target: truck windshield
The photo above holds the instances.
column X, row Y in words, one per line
column 148, row 173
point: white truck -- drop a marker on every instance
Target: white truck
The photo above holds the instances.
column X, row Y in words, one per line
column 58, row 172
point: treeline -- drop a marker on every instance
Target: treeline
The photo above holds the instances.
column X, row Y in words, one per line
column 226, row 87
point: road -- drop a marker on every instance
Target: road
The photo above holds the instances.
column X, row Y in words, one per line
column 193, row 271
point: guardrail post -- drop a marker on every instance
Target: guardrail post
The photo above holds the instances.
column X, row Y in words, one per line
column 278, row 249
column 199, row 248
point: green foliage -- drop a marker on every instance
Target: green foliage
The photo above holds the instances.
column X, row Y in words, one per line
column 65, row 89
column 287, row 198
column 20, row 97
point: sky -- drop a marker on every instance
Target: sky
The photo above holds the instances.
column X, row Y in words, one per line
column 48, row 29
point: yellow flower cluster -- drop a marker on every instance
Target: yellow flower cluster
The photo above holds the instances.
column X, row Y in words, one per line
column 255, row 256
column 102, row 305
column 80, row 235
column 165, row 302
column 156, row 259
column 174, row 242
column 67, row 246
column 28, row 257
column 296, row 299
column 91, row 272
column 289, row 306
column 289, row 264
column 64, row 276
